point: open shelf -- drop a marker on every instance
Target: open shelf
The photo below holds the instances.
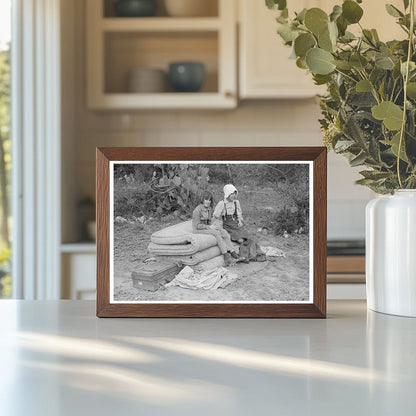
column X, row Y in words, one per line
column 127, row 51
column 87, row 247
column 116, row 46
column 160, row 24
column 168, row 100
column 210, row 6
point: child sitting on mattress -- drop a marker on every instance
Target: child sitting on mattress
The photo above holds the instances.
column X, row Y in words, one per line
column 201, row 224
column 228, row 212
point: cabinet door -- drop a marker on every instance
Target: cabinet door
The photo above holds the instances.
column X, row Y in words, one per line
column 78, row 276
column 265, row 68
column 376, row 17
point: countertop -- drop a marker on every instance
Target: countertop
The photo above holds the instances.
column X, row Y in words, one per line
column 57, row 358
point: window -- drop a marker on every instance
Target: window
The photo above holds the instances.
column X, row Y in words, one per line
column 5, row 147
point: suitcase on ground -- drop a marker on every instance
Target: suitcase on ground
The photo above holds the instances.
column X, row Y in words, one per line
column 152, row 276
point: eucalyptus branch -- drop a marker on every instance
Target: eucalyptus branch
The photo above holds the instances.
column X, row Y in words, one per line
column 404, row 28
column 406, row 80
column 373, row 88
column 398, row 95
column 369, row 40
column 386, row 85
column 346, row 75
column 392, row 91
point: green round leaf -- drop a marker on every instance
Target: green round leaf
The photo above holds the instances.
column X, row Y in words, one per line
column 358, row 61
column 333, row 32
column 301, row 63
column 375, row 35
column 393, row 11
column 322, row 79
column 324, row 41
column 411, row 90
column 287, row 33
column 391, row 114
column 363, row 86
column 384, row 62
column 327, row 39
column 319, row 61
column 394, row 143
column 344, row 65
column 336, row 12
column 276, row 4
column 347, row 37
column 301, row 15
column 351, row 11
column 303, row 43
column 342, row 25
column 316, row 20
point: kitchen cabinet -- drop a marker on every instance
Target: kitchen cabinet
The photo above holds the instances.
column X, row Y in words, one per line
column 346, row 277
column 118, row 45
column 265, row 69
column 78, row 263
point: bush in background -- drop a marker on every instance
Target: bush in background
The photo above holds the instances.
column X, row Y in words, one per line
column 158, row 189
column 294, row 216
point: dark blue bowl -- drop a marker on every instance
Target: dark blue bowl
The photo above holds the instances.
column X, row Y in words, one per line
column 186, row 76
column 135, row 8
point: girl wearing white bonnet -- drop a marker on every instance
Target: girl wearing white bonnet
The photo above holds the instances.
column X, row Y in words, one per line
column 229, row 212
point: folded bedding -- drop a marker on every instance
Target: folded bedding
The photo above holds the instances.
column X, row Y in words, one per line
column 196, row 243
column 175, row 234
column 195, row 258
column 210, row 264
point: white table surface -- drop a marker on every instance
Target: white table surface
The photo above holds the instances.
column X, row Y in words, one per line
column 57, row 358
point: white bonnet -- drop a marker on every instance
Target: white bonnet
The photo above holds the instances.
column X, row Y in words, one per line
column 228, row 190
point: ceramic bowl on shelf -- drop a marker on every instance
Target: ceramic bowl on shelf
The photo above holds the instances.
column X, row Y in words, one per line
column 186, row 76
column 191, row 8
column 135, row 8
column 147, row 80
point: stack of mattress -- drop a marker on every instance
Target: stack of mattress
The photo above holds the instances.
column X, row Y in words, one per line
column 179, row 243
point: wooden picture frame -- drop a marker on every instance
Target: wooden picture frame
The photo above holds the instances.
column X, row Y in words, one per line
column 314, row 307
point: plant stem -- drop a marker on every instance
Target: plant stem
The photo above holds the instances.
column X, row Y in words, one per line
column 406, row 79
column 373, row 88
column 392, row 91
column 346, row 75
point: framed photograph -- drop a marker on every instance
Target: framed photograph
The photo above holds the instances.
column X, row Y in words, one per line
column 211, row 232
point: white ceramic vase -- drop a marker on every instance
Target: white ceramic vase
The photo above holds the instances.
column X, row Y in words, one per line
column 391, row 253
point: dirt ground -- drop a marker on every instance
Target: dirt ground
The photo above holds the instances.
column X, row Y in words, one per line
column 285, row 279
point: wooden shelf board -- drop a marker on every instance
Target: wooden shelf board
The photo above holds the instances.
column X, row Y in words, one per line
column 346, row 264
column 163, row 100
column 80, row 247
column 345, row 278
column 160, row 24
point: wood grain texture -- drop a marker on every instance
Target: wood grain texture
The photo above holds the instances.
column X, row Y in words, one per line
column 346, row 264
column 103, row 231
column 319, row 230
column 317, row 309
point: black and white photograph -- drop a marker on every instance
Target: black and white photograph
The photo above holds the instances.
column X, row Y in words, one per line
column 202, row 232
